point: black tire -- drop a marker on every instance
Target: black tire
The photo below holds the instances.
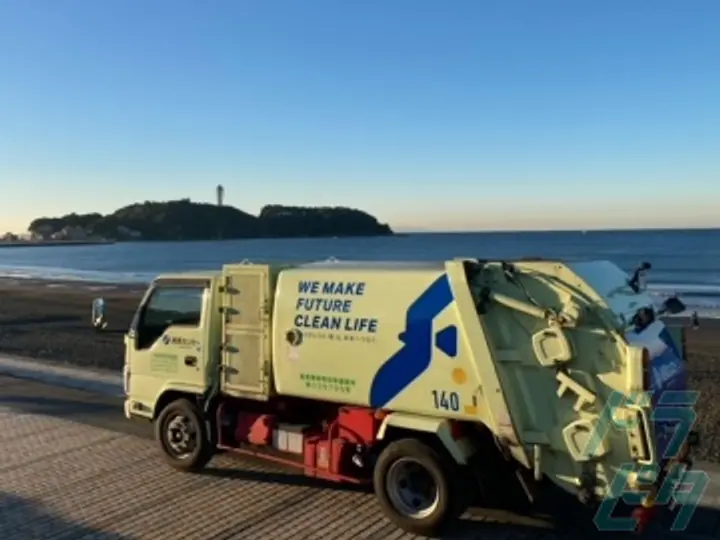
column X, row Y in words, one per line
column 449, row 500
column 185, row 415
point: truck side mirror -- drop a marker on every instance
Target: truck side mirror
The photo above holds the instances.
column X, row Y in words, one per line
column 97, row 318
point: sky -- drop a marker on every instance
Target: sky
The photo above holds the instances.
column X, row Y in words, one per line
column 431, row 115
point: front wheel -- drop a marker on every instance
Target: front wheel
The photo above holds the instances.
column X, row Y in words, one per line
column 181, row 434
column 417, row 487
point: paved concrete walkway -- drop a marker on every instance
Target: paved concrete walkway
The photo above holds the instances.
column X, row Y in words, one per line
column 71, row 467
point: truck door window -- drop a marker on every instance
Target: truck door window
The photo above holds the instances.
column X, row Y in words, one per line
column 169, row 306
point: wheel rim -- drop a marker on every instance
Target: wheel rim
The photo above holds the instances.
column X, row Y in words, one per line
column 412, row 489
column 180, row 436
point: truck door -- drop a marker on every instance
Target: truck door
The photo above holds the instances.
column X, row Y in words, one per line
column 246, row 331
column 166, row 342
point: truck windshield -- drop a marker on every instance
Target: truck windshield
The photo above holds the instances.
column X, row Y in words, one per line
column 169, row 306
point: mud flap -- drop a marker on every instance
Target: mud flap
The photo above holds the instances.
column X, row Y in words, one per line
column 502, row 482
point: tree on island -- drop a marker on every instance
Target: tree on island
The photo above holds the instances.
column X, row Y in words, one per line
column 186, row 220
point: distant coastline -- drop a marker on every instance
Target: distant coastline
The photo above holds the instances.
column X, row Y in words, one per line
column 46, row 243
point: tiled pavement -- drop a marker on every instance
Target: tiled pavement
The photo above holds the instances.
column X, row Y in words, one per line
column 63, row 476
column 72, row 468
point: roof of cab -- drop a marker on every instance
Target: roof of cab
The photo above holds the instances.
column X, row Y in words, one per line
column 188, row 275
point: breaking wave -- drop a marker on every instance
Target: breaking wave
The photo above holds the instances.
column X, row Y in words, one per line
column 704, row 299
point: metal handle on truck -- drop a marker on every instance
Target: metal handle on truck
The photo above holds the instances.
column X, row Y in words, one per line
column 645, row 432
column 190, row 361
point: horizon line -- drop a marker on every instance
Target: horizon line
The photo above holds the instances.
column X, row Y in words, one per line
column 402, row 230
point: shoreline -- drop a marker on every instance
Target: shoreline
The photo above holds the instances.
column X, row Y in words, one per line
column 24, row 277
column 80, row 284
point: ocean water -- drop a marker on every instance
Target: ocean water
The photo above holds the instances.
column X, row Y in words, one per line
column 686, row 262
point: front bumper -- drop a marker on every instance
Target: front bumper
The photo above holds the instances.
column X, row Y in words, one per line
column 126, row 407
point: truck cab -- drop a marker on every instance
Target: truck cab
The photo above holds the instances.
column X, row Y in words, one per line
column 173, row 342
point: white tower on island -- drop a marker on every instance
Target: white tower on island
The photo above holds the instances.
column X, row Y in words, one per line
column 220, row 192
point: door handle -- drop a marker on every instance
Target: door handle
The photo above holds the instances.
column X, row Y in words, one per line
column 190, row 361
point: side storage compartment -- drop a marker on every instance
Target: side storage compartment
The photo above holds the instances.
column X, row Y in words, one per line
column 246, row 295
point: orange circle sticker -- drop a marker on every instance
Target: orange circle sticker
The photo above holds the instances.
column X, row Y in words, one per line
column 459, row 376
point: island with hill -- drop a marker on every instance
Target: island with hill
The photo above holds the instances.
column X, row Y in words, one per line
column 184, row 220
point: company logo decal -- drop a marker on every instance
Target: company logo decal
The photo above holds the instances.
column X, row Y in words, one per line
column 414, row 357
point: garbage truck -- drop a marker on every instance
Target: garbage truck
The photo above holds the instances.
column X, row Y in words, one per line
column 439, row 385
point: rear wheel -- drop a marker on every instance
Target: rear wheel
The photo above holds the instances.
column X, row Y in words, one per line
column 417, row 487
column 181, row 434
